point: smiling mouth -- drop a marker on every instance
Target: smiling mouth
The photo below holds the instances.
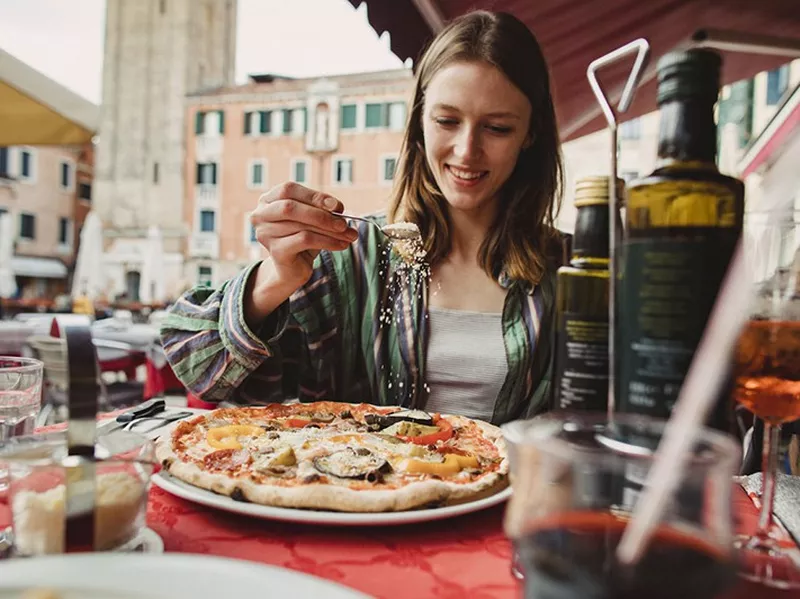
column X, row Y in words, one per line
column 466, row 174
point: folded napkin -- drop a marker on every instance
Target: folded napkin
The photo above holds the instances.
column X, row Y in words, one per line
column 787, row 499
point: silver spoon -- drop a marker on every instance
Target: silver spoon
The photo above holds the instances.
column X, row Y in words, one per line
column 397, row 231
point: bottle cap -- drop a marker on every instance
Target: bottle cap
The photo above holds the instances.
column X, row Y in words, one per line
column 693, row 73
column 594, row 190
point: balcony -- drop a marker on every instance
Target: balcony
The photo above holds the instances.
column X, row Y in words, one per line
column 204, row 245
column 206, row 195
column 208, row 148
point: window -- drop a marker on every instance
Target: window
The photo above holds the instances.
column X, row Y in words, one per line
column 343, row 171
column 207, row 221
column 63, row 230
column 257, row 122
column 377, row 116
column 388, row 166
column 300, row 171
column 777, row 82
column 155, row 172
column 65, row 175
column 299, row 121
column 287, row 120
column 630, row 129
column 257, row 176
column 397, row 116
column 27, row 226
column 348, row 116
column 209, row 122
column 206, row 173
column 85, row 191
column 4, row 172
column 26, row 165
column 204, row 277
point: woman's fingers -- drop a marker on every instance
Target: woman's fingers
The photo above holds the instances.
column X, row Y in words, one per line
column 286, row 248
column 267, row 231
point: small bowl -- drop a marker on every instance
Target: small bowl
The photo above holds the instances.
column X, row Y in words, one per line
column 38, row 466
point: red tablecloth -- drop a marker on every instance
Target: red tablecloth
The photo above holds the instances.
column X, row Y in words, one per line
column 464, row 557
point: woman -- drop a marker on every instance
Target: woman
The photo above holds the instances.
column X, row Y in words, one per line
column 327, row 317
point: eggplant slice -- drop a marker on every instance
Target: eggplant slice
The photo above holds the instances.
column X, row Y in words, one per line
column 359, row 463
column 380, row 422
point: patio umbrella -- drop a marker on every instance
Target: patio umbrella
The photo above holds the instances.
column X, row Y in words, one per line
column 152, row 284
column 89, row 276
column 8, row 283
column 35, row 110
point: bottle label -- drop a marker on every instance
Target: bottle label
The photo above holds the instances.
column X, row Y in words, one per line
column 669, row 286
column 581, row 382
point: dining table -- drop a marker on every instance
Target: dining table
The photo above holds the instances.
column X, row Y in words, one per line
column 467, row 556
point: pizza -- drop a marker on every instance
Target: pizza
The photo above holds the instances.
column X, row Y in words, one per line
column 335, row 456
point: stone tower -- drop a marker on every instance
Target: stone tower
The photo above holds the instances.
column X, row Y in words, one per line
column 156, row 52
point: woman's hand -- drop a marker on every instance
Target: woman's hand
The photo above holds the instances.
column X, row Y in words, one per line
column 293, row 223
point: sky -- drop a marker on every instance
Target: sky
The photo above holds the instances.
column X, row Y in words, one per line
column 64, row 39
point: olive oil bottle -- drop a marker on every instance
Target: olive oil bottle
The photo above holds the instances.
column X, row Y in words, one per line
column 682, row 225
column 581, row 353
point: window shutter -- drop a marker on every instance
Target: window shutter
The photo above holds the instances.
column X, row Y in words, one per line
column 199, row 122
column 221, row 121
column 247, row 124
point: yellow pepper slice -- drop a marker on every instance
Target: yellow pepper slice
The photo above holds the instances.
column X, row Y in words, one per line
column 453, row 464
column 227, row 437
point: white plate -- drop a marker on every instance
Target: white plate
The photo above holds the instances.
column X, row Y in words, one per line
column 171, row 575
column 186, row 491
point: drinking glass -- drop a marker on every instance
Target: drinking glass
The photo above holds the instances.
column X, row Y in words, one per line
column 577, row 478
column 767, row 374
column 20, row 395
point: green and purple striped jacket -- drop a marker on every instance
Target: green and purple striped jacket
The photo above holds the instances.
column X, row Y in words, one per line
column 356, row 332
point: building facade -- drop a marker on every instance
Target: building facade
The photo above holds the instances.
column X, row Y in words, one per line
column 43, row 189
column 156, row 53
column 336, row 134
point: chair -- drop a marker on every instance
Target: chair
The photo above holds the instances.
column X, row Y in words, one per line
column 52, row 351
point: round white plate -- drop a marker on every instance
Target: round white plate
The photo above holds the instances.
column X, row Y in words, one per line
column 183, row 490
column 171, row 575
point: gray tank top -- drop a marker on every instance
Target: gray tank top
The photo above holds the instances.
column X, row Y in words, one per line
column 466, row 363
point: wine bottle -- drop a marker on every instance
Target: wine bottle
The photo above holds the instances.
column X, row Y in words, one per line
column 682, row 225
column 581, row 353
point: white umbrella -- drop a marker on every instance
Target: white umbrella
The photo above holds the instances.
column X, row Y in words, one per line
column 89, row 277
column 8, row 283
column 152, row 285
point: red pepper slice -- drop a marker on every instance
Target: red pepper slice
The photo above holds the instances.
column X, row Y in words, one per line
column 296, row 422
column 445, row 432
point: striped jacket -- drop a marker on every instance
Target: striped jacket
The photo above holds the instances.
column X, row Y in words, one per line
column 356, row 331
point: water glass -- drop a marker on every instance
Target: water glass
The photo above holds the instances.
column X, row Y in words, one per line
column 20, row 395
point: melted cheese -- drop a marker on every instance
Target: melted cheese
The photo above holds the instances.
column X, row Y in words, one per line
column 452, row 464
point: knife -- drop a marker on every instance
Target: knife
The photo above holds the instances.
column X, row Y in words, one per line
column 143, row 410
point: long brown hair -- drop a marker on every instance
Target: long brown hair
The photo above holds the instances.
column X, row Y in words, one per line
column 523, row 236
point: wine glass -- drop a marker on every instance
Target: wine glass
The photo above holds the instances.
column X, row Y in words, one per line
column 767, row 372
column 576, row 481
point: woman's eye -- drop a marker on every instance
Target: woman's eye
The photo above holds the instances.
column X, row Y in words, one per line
column 445, row 121
column 500, row 130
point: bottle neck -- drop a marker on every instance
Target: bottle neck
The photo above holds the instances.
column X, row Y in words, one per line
column 688, row 134
column 590, row 241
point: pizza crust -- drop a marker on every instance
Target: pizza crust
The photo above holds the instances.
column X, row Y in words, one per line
column 424, row 493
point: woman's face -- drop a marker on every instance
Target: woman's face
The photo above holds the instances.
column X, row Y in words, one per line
column 475, row 123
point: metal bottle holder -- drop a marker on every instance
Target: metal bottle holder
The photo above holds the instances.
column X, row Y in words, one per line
column 642, row 50
column 703, row 38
